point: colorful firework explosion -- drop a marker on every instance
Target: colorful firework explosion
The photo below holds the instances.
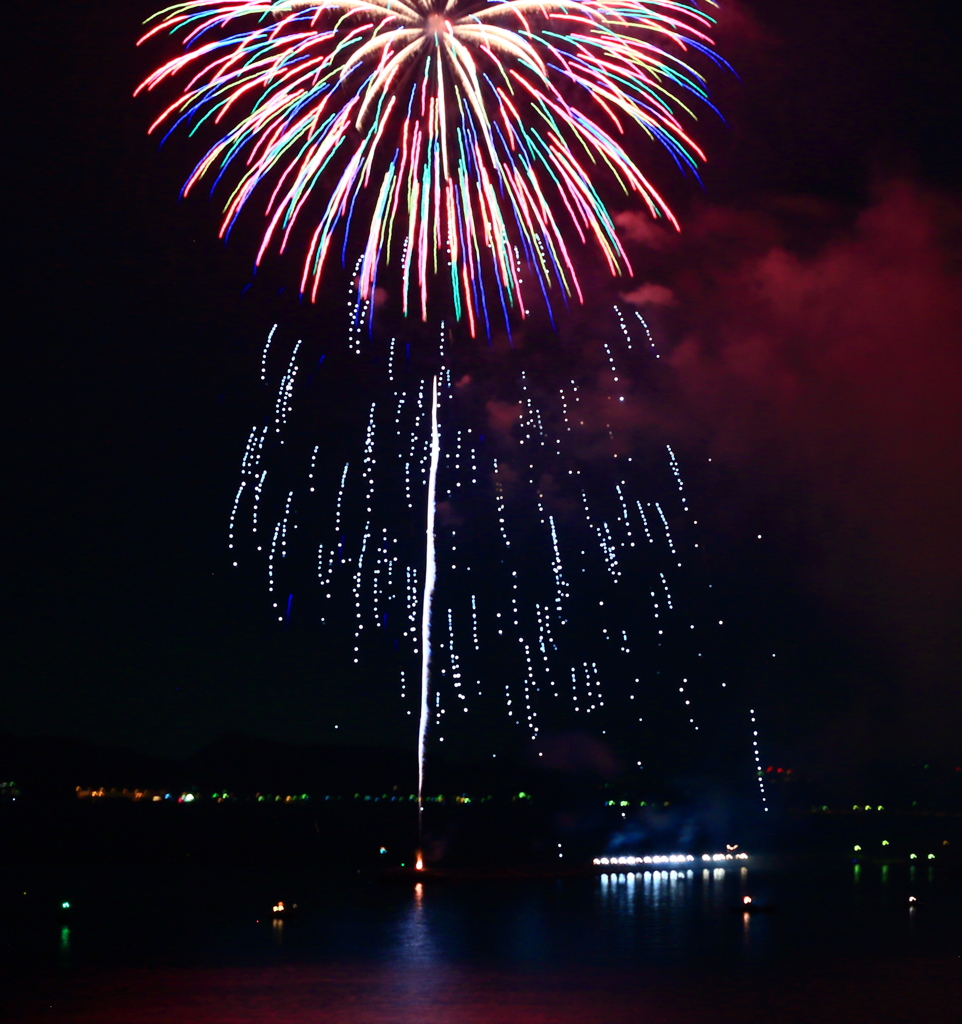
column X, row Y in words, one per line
column 460, row 139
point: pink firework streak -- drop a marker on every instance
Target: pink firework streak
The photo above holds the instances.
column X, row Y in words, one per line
column 459, row 139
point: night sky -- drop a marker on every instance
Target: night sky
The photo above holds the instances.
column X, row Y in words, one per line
column 811, row 307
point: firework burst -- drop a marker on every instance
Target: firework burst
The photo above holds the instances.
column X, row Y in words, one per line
column 458, row 139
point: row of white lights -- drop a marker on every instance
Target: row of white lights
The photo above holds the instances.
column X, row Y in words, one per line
column 650, row 876
column 668, row 858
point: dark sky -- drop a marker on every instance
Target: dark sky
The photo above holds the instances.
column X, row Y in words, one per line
column 812, row 306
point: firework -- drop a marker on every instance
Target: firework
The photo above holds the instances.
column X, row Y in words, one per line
column 464, row 140
column 429, row 580
column 490, row 600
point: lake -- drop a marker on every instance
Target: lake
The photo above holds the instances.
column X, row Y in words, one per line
column 184, row 943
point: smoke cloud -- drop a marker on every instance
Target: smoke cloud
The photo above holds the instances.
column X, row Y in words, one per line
column 650, row 295
column 835, row 365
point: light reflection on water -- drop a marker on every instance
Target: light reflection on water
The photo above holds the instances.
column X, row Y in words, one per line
column 669, row 916
column 617, row 891
column 579, row 950
column 660, row 890
column 415, row 944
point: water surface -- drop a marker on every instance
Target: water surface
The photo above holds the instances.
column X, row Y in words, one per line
column 182, row 944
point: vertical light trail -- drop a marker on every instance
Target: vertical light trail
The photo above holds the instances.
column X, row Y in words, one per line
column 429, row 574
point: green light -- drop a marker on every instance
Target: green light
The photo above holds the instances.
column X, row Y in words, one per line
column 65, row 905
column 885, row 842
column 857, row 847
column 913, row 856
column 931, row 856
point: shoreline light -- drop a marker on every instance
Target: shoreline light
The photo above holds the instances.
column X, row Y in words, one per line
column 665, row 858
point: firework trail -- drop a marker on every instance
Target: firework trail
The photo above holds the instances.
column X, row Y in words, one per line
column 454, row 137
column 429, row 579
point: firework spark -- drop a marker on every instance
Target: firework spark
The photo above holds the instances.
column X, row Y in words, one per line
column 490, row 598
column 454, row 135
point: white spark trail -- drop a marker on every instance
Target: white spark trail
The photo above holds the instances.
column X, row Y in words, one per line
column 429, row 575
column 270, row 338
